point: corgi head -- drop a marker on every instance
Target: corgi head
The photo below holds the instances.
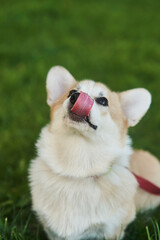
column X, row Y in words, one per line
column 89, row 122
column 91, row 109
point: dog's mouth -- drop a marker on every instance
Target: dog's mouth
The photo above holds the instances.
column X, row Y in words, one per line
column 77, row 118
column 80, row 105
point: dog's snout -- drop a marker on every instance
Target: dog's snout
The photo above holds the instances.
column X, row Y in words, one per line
column 82, row 104
column 74, row 98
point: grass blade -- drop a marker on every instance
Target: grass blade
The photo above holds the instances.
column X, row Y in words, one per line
column 148, row 234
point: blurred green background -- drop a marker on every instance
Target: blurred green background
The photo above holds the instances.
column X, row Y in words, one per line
column 115, row 42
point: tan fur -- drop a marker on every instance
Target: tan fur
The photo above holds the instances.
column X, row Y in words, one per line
column 60, row 101
column 147, row 166
column 117, row 113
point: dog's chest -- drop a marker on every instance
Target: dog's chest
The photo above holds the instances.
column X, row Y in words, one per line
column 75, row 205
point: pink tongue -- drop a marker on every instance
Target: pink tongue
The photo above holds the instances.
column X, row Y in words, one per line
column 83, row 105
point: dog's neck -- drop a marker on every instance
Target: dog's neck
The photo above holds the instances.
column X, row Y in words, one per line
column 74, row 156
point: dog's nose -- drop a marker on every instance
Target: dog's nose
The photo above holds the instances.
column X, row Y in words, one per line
column 82, row 104
column 74, row 97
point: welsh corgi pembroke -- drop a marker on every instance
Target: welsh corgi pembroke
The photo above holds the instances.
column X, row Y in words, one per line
column 81, row 182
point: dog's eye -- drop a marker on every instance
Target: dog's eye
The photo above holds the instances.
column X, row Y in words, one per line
column 102, row 101
column 71, row 92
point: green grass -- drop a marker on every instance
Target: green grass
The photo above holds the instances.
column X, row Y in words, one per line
column 156, row 234
column 116, row 42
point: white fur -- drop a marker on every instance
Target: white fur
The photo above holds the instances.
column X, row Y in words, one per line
column 74, row 192
column 58, row 81
column 65, row 196
column 135, row 104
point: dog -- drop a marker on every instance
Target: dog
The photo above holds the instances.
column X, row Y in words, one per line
column 81, row 182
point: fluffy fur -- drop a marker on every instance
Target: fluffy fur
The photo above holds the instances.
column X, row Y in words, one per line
column 80, row 181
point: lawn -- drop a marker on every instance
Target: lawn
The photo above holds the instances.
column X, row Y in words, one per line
column 115, row 42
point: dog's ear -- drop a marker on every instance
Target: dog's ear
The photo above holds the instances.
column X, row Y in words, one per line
column 59, row 80
column 135, row 104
